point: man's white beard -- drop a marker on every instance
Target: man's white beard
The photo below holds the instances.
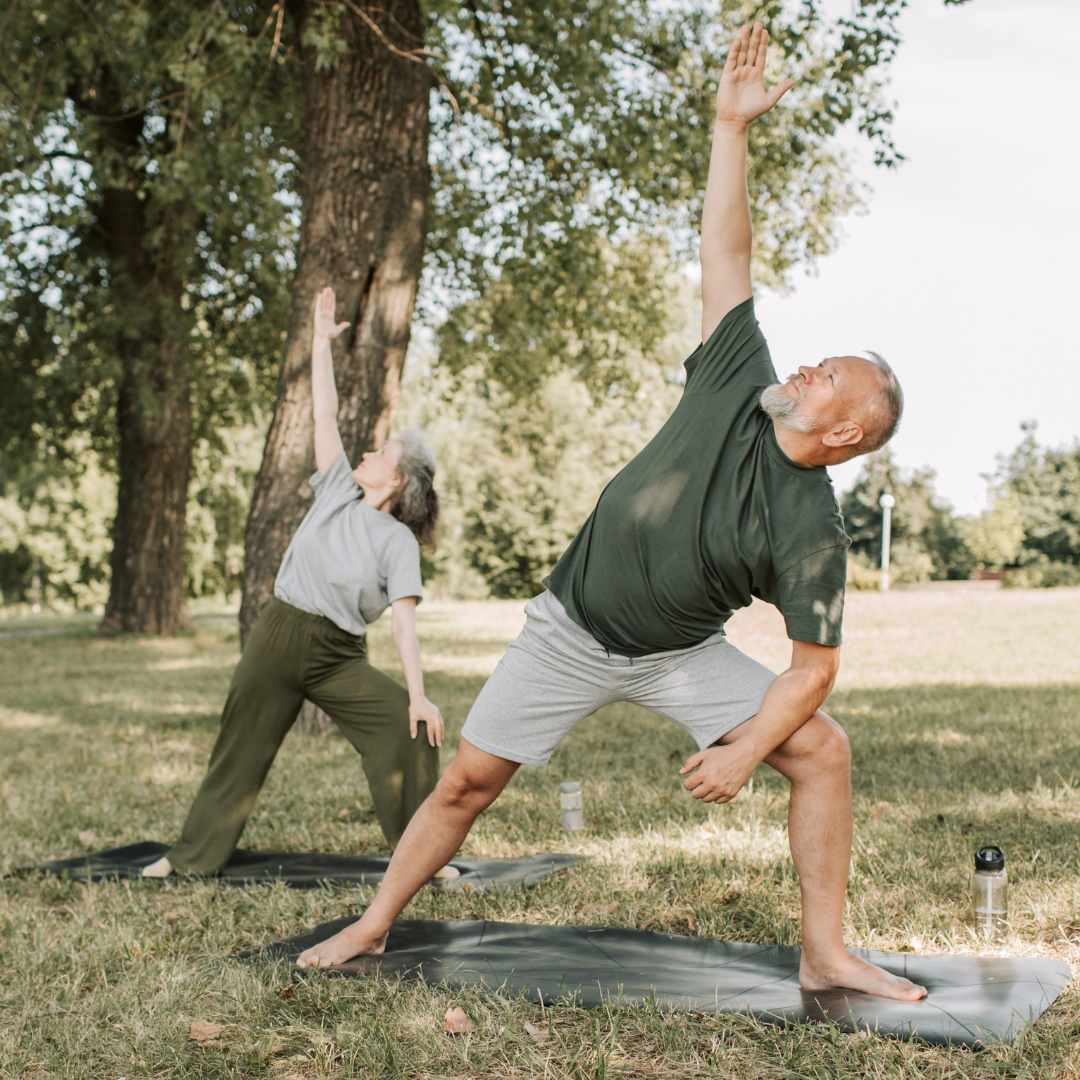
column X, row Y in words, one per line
column 786, row 411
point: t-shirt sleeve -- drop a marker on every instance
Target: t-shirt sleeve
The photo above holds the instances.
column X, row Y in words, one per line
column 811, row 596
column 736, row 349
column 403, row 568
column 336, row 481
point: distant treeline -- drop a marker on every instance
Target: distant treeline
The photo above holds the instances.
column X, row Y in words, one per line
column 518, row 475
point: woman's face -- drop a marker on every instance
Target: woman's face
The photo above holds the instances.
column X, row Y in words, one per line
column 378, row 469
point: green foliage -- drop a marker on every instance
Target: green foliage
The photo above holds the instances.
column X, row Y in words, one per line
column 184, row 111
column 994, row 537
column 55, row 515
column 1046, row 485
column 926, row 545
column 222, row 476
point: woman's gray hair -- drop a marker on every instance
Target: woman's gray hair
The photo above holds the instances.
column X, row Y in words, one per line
column 417, row 504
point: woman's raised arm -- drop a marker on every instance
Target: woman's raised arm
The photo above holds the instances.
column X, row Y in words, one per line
column 324, row 399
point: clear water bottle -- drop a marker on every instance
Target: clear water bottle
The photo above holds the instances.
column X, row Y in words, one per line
column 990, row 894
column 573, row 812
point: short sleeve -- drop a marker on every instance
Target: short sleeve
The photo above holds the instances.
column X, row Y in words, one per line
column 403, row 567
column 736, row 350
column 336, row 481
column 811, row 596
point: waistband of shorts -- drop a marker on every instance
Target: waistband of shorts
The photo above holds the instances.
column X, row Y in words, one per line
column 559, row 612
column 319, row 622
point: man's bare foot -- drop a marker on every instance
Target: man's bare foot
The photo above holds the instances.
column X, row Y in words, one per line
column 847, row 972
column 344, row 945
column 446, row 873
column 161, row 868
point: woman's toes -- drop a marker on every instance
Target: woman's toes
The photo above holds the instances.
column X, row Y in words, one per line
column 161, row 868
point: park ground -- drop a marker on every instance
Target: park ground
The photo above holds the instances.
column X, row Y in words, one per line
column 962, row 709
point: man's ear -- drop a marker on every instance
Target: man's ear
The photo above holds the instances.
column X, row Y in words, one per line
column 845, row 434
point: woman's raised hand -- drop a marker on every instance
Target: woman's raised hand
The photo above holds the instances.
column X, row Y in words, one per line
column 324, row 315
column 742, row 96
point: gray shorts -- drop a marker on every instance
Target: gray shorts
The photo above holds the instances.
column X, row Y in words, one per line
column 555, row 674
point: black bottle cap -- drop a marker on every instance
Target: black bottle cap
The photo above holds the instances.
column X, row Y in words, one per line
column 989, row 857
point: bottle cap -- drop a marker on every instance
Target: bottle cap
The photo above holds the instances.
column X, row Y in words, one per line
column 570, row 787
column 989, row 857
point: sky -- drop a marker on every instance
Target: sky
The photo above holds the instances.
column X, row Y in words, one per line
column 963, row 274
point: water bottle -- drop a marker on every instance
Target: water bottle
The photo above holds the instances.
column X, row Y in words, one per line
column 573, row 813
column 990, row 894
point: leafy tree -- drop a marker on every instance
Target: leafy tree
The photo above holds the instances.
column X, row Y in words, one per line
column 994, row 538
column 144, row 251
column 1046, row 484
column 925, row 543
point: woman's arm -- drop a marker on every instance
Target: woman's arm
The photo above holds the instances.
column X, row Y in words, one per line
column 403, row 627
column 324, row 399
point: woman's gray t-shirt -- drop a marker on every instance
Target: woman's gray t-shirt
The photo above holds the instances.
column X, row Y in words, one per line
column 348, row 561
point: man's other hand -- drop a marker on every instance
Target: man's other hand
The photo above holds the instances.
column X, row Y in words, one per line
column 742, row 96
column 722, row 771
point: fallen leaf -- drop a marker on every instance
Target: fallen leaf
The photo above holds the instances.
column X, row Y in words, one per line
column 205, row 1033
column 649, row 922
column 321, row 1040
column 457, row 1023
column 87, row 837
column 287, row 992
column 649, row 1048
column 537, row 1032
column 691, row 923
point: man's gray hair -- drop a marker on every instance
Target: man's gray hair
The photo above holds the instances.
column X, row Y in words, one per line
column 882, row 425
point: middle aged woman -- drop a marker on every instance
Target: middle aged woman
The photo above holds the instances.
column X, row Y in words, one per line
column 356, row 553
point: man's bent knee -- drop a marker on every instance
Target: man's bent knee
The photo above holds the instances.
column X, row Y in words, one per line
column 474, row 779
column 820, row 744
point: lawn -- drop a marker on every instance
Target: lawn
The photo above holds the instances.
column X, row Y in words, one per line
column 962, row 711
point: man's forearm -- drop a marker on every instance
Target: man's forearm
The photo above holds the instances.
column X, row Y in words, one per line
column 794, row 696
column 725, row 220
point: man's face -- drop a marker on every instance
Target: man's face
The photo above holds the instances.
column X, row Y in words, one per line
column 835, row 389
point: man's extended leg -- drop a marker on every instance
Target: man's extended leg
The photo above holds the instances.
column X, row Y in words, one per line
column 817, row 761
column 471, row 784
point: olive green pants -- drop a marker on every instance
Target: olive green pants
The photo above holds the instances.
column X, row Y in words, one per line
column 292, row 655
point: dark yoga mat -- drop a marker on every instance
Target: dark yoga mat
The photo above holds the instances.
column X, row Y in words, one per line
column 309, row 870
column 972, row 1000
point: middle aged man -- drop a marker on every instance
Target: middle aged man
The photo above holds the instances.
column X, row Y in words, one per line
column 729, row 501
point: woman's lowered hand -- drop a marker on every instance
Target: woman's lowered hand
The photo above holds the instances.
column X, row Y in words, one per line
column 422, row 709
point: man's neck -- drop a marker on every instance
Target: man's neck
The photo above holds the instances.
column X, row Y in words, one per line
column 803, row 448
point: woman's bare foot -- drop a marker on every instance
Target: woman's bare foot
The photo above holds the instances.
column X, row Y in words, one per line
column 161, row 868
column 446, row 873
column 847, row 972
column 344, row 945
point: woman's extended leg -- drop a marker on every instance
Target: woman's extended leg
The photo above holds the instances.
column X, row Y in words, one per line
column 263, row 702
column 372, row 711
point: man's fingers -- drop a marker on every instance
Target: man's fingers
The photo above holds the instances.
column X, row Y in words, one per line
column 779, row 90
column 692, row 762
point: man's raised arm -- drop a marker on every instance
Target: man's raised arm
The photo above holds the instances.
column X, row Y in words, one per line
column 726, row 235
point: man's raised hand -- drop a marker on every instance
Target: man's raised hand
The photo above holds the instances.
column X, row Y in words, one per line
column 324, row 315
column 742, row 96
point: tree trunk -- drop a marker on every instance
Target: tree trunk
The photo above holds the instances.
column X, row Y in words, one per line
column 146, row 593
column 365, row 194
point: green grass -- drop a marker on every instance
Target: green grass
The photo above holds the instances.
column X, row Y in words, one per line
column 962, row 710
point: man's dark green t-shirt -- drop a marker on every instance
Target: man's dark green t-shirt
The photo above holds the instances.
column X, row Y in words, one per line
column 709, row 515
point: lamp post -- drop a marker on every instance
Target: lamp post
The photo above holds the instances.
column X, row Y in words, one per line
column 887, row 502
